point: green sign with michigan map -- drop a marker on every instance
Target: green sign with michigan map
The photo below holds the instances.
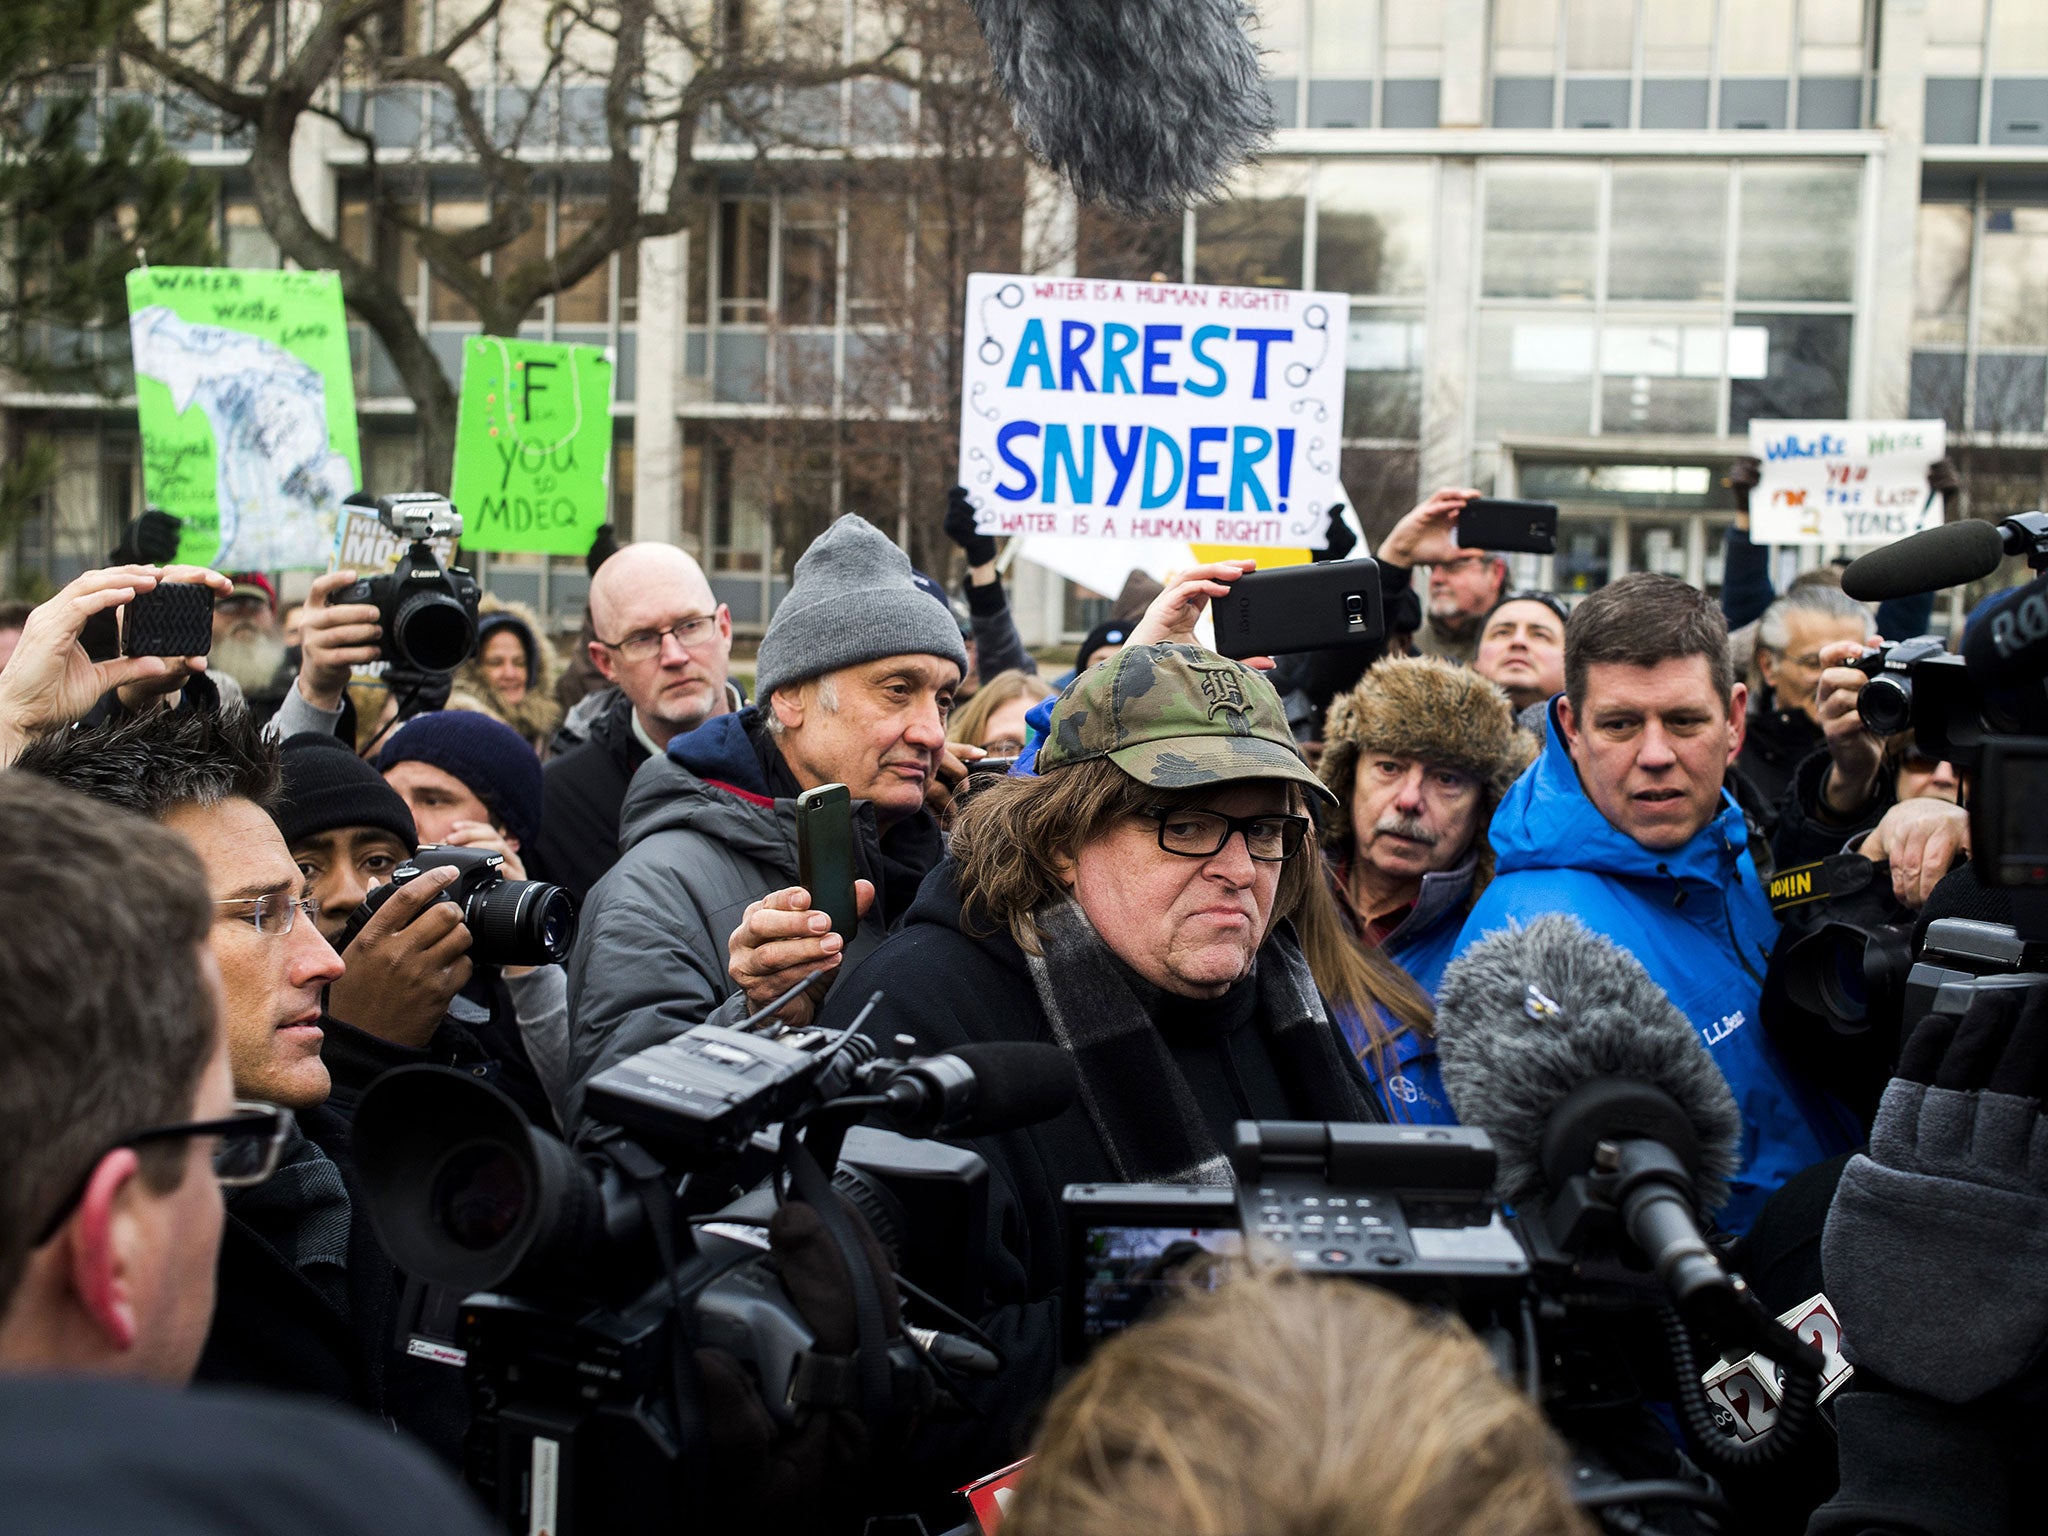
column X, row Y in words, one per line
column 247, row 410
column 533, row 445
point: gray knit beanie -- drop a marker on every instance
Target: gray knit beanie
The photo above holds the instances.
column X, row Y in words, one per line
column 852, row 601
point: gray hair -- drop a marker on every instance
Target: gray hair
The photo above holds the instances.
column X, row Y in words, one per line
column 827, row 695
column 1829, row 602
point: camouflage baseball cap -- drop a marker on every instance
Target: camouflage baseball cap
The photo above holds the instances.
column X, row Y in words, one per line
column 1176, row 717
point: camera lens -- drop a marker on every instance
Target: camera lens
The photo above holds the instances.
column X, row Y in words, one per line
column 480, row 1192
column 521, row 922
column 433, row 632
column 1886, row 703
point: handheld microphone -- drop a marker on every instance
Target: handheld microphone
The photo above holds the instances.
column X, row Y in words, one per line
column 1589, row 1080
column 1946, row 556
column 982, row 1089
column 1146, row 105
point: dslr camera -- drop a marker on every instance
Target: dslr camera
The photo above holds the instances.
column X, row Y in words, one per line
column 427, row 610
column 510, row 922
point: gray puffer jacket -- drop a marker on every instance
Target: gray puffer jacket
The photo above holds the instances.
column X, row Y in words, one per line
column 700, row 837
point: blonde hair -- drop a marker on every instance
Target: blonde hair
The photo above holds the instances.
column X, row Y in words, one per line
column 970, row 721
column 1294, row 1407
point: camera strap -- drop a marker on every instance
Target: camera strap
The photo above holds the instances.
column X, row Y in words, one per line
column 1840, row 874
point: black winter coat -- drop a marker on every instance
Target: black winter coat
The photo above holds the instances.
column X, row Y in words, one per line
column 947, row 987
column 1777, row 742
column 582, row 791
column 273, row 1328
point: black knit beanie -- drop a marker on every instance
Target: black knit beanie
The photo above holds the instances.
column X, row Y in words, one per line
column 327, row 786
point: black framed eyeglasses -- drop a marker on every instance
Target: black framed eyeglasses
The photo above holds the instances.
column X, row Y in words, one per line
column 251, row 1141
column 1203, row 834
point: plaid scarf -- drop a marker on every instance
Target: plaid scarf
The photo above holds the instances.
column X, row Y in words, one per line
column 1127, row 1067
column 302, row 1210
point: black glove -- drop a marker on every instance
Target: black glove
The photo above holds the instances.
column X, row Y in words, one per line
column 1341, row 539
column 602, row 548
column 154, row 536
column 1936, row 1249
column 810, row 1476
column 959, row 525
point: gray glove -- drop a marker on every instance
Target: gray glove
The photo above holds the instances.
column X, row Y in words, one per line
column 1936, row 1249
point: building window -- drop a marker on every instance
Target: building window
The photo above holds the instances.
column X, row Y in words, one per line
column 1607, row 305
column 1352, row 63
column 1985, row 72
column 1980, row 320
column 1681, row 64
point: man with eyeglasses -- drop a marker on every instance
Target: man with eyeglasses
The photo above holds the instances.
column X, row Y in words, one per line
column 1794, row 639
column 1131, row 902
column 664, row 643
column 119, row 1132
column 702, row 917
column 307, row 1296
column 1464, row 584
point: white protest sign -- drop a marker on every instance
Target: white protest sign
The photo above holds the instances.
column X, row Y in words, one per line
column 1094, row 408
column 1844, row 482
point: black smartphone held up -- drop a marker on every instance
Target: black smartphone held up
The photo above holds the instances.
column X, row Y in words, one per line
column 824, row 854
column 173, row 618
column 1527, row 526
column 990, row 767
column 1301, row 608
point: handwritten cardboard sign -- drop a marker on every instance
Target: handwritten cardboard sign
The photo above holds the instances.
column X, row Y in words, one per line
column 1155, row 411
column 533, row 445
column 246, row 405
column 1844, row 482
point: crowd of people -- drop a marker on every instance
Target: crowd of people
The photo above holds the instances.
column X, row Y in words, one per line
column 1227, row 891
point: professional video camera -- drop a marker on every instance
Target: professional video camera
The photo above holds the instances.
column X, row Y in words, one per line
column 1558, row 1292
column 598, row 1274
column 428, row 611
column 510, row 922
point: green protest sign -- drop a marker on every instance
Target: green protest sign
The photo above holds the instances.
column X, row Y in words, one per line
column 247, row 410
column 533, row 445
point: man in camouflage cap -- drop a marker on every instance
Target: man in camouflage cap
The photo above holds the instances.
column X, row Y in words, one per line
column 1130, row 902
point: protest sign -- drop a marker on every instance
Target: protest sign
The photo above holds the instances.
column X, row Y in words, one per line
column 1844, row 482
column 533, row 445
column 367, row 547
column 1152, row 411
column 259, row 470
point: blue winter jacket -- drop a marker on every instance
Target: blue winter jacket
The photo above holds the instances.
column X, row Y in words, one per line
column 1412, row 1085
column 1698, row 920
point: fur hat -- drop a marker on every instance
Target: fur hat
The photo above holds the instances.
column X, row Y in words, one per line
column 536, row 716
column 1434, row 710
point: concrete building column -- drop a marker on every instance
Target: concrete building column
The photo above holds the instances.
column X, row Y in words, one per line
column 658, row 368
column 1461, row 99
column 313, row 178
column 1901, row 110
column 1446, row 452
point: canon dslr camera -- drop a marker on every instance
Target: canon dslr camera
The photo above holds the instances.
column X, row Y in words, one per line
column 510, row 922
column 427, row 610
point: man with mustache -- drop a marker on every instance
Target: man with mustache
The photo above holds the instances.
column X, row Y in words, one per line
column 1417, row 756
column 855, row 679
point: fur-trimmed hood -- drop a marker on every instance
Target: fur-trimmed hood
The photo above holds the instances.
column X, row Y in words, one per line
column 537, row 716
column 1433, row 710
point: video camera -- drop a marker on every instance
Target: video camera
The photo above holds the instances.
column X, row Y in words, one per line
column 1557, row 1297
column 427, row 611
column 598, row 1273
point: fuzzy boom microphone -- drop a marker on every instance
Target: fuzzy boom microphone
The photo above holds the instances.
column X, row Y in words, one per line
column 1559, row 1045
column 1145, row 105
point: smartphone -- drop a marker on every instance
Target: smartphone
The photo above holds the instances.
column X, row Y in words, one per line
column 990, row 766
column 824, row 854
column 1491, row 524
column 1301, row 608
column 174, row 618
